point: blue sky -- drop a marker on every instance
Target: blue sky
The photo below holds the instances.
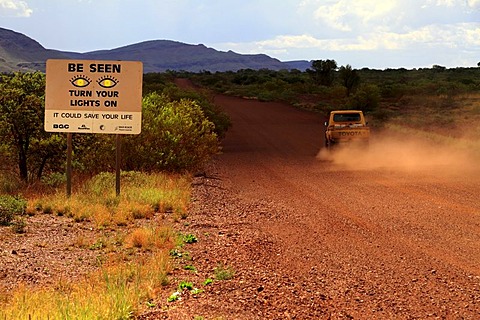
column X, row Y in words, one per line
column 363, row 33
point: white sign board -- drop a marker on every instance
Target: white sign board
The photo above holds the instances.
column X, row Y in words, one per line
column 93, row 96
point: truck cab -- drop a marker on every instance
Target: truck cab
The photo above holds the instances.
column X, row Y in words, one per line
column 346, row 126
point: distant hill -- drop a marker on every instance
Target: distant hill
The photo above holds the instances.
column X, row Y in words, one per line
column 19, row 52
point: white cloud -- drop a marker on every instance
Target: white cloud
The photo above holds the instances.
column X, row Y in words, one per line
column 447, row 3
column 438, row 37
column 360, row 16
column 472, row 36
column 473, row 4
column 347, row 15
column 14, row 8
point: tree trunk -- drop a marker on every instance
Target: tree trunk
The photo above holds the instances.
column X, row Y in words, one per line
column 22, row 158
column 22, row 165
column 42, row 166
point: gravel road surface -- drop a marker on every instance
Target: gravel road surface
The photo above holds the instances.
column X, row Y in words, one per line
column 389, row 232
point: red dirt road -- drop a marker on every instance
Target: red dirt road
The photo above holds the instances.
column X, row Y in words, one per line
column 391, row 232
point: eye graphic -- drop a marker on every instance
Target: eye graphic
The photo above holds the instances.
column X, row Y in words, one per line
column 80, row 81
column 107, row 82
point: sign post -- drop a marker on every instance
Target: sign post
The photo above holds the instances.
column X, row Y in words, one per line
column 94, row 96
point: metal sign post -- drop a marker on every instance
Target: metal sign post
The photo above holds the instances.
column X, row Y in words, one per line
column 118, row 162
column 69, row 164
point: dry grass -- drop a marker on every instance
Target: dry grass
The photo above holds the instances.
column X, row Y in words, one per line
column 122, row 285
column 115, row 292
column 456, row 117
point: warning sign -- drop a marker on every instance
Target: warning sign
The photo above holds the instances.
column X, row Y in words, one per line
column 93, row 96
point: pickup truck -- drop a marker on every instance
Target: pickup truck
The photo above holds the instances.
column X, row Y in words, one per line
column 346, row 126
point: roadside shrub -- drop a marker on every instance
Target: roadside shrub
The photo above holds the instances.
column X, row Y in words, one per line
column 101, row 184
column 393, row 90
column 176, row 136
column 9, row 207
column 367, row 98
column 212, row 112
column 93, row 153
column 54, row 179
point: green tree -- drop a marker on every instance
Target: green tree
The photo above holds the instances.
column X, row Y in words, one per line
column 438, row 68
column 23, row 139
column 176, row 136
column 204, row 99
column 323, row 71
column 367, row 98
column 349, row 77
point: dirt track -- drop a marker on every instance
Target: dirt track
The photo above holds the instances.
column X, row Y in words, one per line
column 388, row 233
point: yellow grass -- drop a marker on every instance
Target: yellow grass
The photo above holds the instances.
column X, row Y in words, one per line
column 119, row 289
column 116, row 292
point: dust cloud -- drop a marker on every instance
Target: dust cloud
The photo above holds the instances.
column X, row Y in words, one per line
column 404, row 154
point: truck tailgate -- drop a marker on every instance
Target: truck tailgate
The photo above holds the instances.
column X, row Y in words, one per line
column 350, row 132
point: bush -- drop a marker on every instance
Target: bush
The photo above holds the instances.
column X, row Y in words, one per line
column 54, row 179
column 9, row 207
column 176, row 136
column 212, row 112
column 366, row 98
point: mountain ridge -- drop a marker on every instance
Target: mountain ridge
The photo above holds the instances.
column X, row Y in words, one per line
column 18, row 52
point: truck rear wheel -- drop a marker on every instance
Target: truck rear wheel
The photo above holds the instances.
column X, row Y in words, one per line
column 329, row 144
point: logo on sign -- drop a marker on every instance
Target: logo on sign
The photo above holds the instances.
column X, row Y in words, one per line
column 83, row 127
column 60, row 126
column 124, row 128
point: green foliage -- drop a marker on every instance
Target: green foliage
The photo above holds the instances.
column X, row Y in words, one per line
column 366, row 99
column 266, row 85
column 189, row 238
column 196, row 291
column 101, row 184
column 185, row 285
column 211, row 111
column 183, row 125
column 174, row 296
column 190, row 267
column 23, row 139
column 54, row 179
column 155, row 82
column 349, row 77
column 323, row 71
column 9, row 207
column 163, row 83
column 176, row 136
